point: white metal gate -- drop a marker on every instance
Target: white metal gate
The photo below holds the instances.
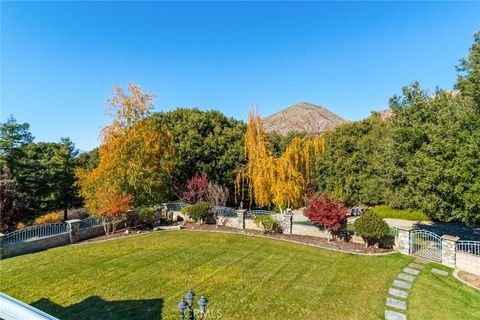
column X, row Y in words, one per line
column 426, row 244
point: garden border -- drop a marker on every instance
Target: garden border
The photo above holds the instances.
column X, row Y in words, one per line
column 296, row 242
column 455, row 275
column 243, row 234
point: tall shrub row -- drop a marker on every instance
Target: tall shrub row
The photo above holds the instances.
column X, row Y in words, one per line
column 425, row 155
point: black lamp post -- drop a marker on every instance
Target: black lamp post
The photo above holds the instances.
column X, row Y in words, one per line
column 184, row 305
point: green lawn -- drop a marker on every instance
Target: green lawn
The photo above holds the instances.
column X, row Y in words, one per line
column 444, row 298
column 144, row 277
column 387, row 212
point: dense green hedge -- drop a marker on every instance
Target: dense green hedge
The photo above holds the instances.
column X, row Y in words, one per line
column 425, row 156
column 385, row 211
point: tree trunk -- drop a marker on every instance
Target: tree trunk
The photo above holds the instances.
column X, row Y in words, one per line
column 65, row 213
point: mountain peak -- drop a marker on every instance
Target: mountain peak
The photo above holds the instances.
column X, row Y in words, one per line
column 302, row 116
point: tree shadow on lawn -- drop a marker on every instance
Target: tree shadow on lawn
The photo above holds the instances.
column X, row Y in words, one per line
column 460, row 230
column 96, row 308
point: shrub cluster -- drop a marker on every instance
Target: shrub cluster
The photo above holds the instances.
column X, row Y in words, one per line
column 372, row 228
column 51, row 217
column 148, row 215
column 201, row 211
column 328, row 213
column 77, row 213
column 268, row 223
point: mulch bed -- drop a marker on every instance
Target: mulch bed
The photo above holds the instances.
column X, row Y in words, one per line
column 118, row 234
column 317, row 241
column 474, row 280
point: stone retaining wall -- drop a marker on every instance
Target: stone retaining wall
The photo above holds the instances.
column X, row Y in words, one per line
column 468, row 262
column 91, row 232
column 34, row 245
column 286, row 220
column 74, row 234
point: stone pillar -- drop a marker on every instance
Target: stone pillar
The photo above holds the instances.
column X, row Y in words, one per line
column 164, row 210
column 158, row 210
column 74, row 230
column 404, row 240
column 1, row 245
column 449, row 250
column 287, row 223
column 241, row 218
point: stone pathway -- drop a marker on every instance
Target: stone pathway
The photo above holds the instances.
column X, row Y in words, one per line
column 396, row 303
column 440, row 272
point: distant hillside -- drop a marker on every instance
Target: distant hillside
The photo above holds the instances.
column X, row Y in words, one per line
column 385, row 114
column 302, row 117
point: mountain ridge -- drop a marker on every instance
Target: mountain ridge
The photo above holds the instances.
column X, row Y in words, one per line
column 302, row 116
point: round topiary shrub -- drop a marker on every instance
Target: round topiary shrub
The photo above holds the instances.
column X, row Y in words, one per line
column 148, row 215
column 202, row 211
column 268, row 223
column 372, row 228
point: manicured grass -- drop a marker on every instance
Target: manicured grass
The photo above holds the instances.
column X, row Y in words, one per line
column 438, row 297
column 244, row 278
column 387, row 212
column 144, row 277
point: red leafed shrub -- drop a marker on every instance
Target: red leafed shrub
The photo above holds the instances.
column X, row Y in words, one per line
column 196, row 189
column 329, row 212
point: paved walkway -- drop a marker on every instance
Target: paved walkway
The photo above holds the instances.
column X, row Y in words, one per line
column 460, row 230
column 396, row 303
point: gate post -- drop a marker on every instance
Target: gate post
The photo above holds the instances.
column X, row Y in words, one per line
column 1, row 245
column 449, row 250
column 404, row 239
column 241, row 218
column 74, row 227
column 287, row 223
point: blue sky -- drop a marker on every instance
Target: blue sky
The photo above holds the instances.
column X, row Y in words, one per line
column 60, row 60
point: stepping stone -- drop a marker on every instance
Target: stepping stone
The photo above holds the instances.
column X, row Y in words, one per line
column 398, row 293
column 402, row 284
column 394, row 303
column 440, row 272
column 404, row 276
column 394, row 315
column 415, row 266
column 421, row 261
column 411, row 271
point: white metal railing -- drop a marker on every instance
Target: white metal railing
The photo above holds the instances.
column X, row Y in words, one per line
column 92, row 222
column 35, row 232
column 468, row 246
column 225, row 211
column 250, row 213
column 393, row 231
column 176, row 206
column 13, row 309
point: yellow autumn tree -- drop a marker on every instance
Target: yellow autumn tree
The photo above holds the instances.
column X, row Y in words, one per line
column 136, row 155
column 282, row 181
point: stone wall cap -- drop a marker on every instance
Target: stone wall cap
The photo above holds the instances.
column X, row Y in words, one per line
column 405, row 228
column 448, row 237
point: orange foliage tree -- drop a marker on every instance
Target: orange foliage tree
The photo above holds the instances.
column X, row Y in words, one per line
column 282, row 181
column 136, row 154
column 114, row 206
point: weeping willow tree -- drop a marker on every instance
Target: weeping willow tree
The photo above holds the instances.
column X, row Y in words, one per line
column 283, row 180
